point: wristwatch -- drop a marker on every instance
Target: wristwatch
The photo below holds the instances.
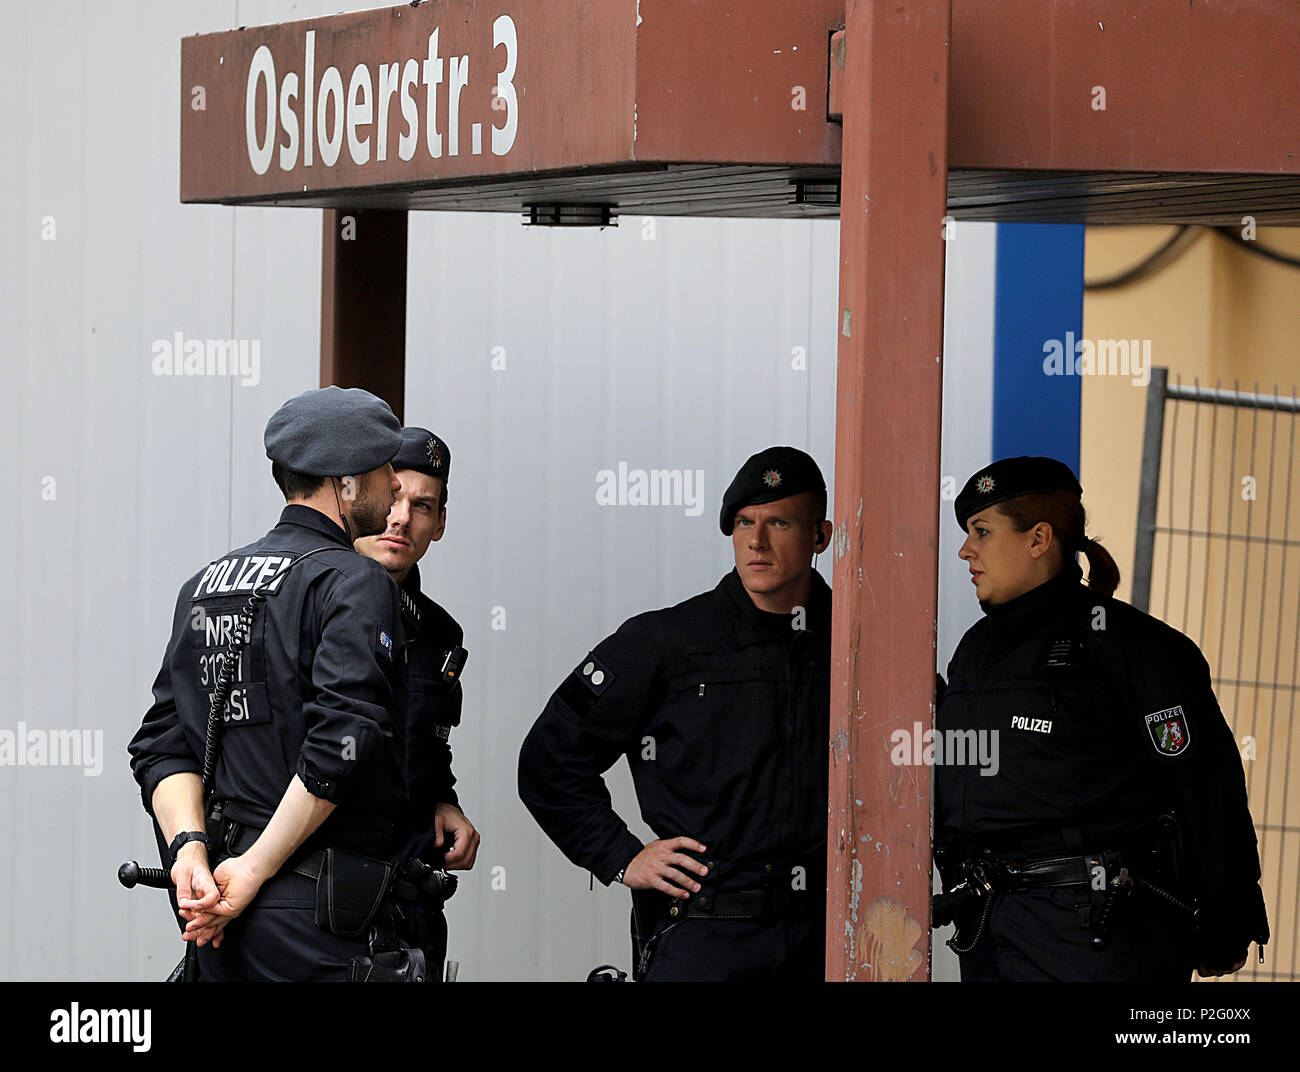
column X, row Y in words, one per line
column 184, row 838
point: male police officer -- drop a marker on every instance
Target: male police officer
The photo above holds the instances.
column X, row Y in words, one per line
column 310, row 752
column 434, row 656
column 721, row 705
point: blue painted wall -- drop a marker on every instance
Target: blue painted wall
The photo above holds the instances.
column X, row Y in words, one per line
column 1039, row 296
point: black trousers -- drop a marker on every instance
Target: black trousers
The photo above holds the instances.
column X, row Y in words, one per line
column 276, row 940
column 1039, row 936
column 735, row 950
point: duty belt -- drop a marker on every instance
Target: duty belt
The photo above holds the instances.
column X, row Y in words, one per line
column 762, row 903
column 982, row 876
column 1051, row 871
column 411, row 884
column 239, row 839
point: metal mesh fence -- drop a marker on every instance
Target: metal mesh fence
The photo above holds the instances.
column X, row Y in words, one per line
column 1217, row 559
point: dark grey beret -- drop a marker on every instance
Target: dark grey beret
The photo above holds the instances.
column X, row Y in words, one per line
column 333, row 431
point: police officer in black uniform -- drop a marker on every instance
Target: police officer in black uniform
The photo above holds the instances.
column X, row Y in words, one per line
column 308, row 791
column 440, row 832
column 721, row 705
column 1114, row 840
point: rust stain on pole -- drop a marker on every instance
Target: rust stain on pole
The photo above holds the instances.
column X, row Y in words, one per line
column 894, row 194
column 889, row 951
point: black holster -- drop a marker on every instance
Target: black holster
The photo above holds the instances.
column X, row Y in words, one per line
column 359, row 896
column 390, row 961
column 650, row 920
column 349, row 892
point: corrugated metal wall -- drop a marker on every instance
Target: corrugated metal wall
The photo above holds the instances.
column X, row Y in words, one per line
column 124, row 481
column 663, row 345
column 542, row 358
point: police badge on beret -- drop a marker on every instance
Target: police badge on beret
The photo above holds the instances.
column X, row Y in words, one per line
column 423, row 452
column 1010, row 478
column 771, row 474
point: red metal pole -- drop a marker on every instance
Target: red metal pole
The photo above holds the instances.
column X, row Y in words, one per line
column 894, row 197
column 363, row 302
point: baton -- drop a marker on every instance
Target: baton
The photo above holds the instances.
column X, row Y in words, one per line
column 131, row 874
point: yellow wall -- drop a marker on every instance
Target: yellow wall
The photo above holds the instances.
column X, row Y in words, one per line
column 1217, row 314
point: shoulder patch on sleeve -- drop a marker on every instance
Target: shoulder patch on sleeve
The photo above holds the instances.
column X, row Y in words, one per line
column 582, row 688
column 383, row 643
column 594, row 674
column 1168, row 731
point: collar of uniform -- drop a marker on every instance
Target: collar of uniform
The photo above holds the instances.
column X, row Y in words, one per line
column 1031, row 610
column 751, row 623
column 411, row 583
column 409, row 590
column 819, row 598
column 307, row 518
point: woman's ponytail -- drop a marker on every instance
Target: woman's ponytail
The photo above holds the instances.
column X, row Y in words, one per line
column 1064, row 512
column 1103, row 574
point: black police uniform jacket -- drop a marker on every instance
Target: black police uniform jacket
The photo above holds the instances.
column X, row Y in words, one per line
column 433, row 708
column 320, row 691
column 723, row 713
column 1105, row 719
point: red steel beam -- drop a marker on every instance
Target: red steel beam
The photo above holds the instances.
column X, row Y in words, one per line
column 886, row 475
column 363, row 302
column 1120, row 85
column 1188, row 85
column 324, row 110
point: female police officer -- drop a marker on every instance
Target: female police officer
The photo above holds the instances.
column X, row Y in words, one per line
column 1112, row 841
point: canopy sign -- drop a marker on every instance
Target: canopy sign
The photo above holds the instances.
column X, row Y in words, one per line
column 401, row 98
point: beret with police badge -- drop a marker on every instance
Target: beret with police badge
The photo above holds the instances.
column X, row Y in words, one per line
column 333, row 431
column 1009, row 478
column 423, row 452
column 771, row 474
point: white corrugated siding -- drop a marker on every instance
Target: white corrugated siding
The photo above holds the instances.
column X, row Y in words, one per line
column 671, row 351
